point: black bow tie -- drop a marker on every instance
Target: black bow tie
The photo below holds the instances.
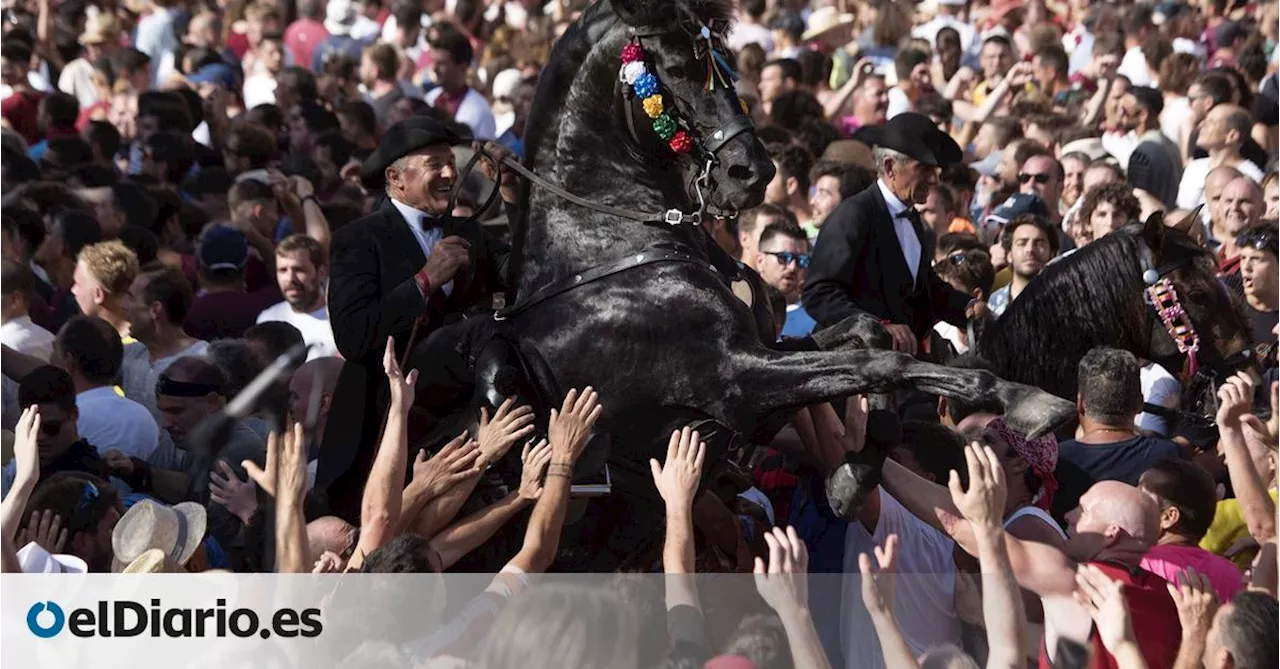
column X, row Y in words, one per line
column 430, row 222
column 911, row 215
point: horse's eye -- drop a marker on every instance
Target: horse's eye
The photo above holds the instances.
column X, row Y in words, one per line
column 1197, row 297
column 676, row 71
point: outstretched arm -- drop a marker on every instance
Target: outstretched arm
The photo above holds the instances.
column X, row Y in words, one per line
column 1259, row 511
column 568, row 432
column 878, row 591
column 677, row 481
column 783, row 584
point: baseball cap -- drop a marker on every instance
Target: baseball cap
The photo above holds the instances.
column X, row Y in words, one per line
column 1017, row 205
column 223, row 248
column 214, row 73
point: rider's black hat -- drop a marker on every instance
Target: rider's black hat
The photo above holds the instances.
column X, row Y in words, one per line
column 916, row 136
column 405, row 137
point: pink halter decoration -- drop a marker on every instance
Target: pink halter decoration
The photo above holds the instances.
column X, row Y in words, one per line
column 1164, row 297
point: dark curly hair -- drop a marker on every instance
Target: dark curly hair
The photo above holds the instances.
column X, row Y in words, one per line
column 1120, row 195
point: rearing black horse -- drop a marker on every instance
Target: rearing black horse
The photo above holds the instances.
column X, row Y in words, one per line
column 643, row 311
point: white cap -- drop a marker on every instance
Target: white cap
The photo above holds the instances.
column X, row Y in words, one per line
column 34, row 559
column 505, row 83
column 340, row 15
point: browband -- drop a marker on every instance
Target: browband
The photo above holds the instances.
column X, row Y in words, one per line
column 167, row 386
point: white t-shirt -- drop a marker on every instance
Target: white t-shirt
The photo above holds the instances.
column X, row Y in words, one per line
column 930, row 30
column 259, row 89
column 1191, row 188
column 898, row 103
column 139, row 374
column 750, row 33
column 473, row 111
column 315, row 328
column 109, row 421
column 924, row 599
column 1134, row 66
column 1160, row 388
column 23, row 336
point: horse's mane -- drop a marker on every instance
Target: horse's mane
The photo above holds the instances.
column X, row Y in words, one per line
column 1090, row 298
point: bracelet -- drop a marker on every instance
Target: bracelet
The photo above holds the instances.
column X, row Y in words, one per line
column 560, row 468
column 562, row 475
column 307, row 198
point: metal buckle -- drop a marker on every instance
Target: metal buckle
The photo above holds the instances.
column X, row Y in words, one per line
column 673, row 217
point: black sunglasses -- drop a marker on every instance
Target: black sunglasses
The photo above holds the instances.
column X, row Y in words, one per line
column 957, row 258
column 51, row 428
column 787, row 257
column 1039, row 178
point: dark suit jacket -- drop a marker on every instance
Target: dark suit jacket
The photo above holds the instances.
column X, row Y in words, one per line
column 858, row 267
column 373, row 295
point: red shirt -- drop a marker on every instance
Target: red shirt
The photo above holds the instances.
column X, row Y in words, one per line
column 238, row 44
column 91, row 113
column 1155, row 620
column 20, row 109
column 302, row 38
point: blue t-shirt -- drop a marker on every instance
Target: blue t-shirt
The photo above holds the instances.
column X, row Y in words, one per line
column 799, row 323
column 1082, row 465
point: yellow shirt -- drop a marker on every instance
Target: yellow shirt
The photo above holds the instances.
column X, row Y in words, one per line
column 1229, row 527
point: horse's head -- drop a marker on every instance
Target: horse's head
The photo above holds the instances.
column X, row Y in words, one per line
column 1198, row 328
column 679, row 100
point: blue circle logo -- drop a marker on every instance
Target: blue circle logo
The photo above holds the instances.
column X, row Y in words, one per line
column 42, row 631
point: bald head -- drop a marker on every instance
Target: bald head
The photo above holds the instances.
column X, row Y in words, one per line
column 329, row 533
column 1214, row 184
column 1120, row 505
column 316, row 378
column 1225, row 126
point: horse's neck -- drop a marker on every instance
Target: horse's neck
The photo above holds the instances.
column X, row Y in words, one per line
column 585, row 152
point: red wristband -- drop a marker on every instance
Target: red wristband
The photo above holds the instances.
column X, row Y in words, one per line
column 424, row 282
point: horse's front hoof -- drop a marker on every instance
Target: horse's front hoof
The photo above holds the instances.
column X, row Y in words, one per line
column 849, row 485
column 1034, row 412
column 856, row 332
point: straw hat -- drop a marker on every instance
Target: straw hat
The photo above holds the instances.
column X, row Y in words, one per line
column 152, row 561
column 176, row 530
column 828, row 25
column 101, row 28
column 34, row 559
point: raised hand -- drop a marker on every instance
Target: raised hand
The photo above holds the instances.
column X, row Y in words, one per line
column 1104, row 599
column 1234, row 398
column 534, row 460
column 783, row 582
column 239, row 497
column 856, row 409
column 329, row 563
column 266, row 475
column 291, row 479
column 678, row 479
column 453, row 463
column 878, row 587
column 46, row 529
column 401, row 386
column 983, row 502
column 26, row 441
column 570, row 427
column 507, row 426
column 1196, row 601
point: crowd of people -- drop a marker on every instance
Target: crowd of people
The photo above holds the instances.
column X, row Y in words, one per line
column 187, row 197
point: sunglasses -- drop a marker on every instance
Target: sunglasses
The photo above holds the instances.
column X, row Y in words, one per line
column 957, row 259
column 1039, row 178
column 1263, row 239
column 51, row 428
column 787, row 257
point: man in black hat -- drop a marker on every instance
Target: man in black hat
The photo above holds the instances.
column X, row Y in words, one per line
column 408, row 270
column 873, row 252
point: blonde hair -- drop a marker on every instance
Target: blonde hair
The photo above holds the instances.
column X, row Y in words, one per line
column 112, row 263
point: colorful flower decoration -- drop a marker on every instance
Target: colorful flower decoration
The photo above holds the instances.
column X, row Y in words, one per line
column 633, row 71
column 681, row 142
column 665, row 126
column 645, row 85
column 648, row 89
column 632, row 53
column 652, row 106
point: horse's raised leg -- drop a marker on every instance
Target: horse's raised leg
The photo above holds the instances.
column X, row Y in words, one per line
column 772, row 382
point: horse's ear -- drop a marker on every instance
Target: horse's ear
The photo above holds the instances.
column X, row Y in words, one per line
column 1153, row 231
column 644, row 13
